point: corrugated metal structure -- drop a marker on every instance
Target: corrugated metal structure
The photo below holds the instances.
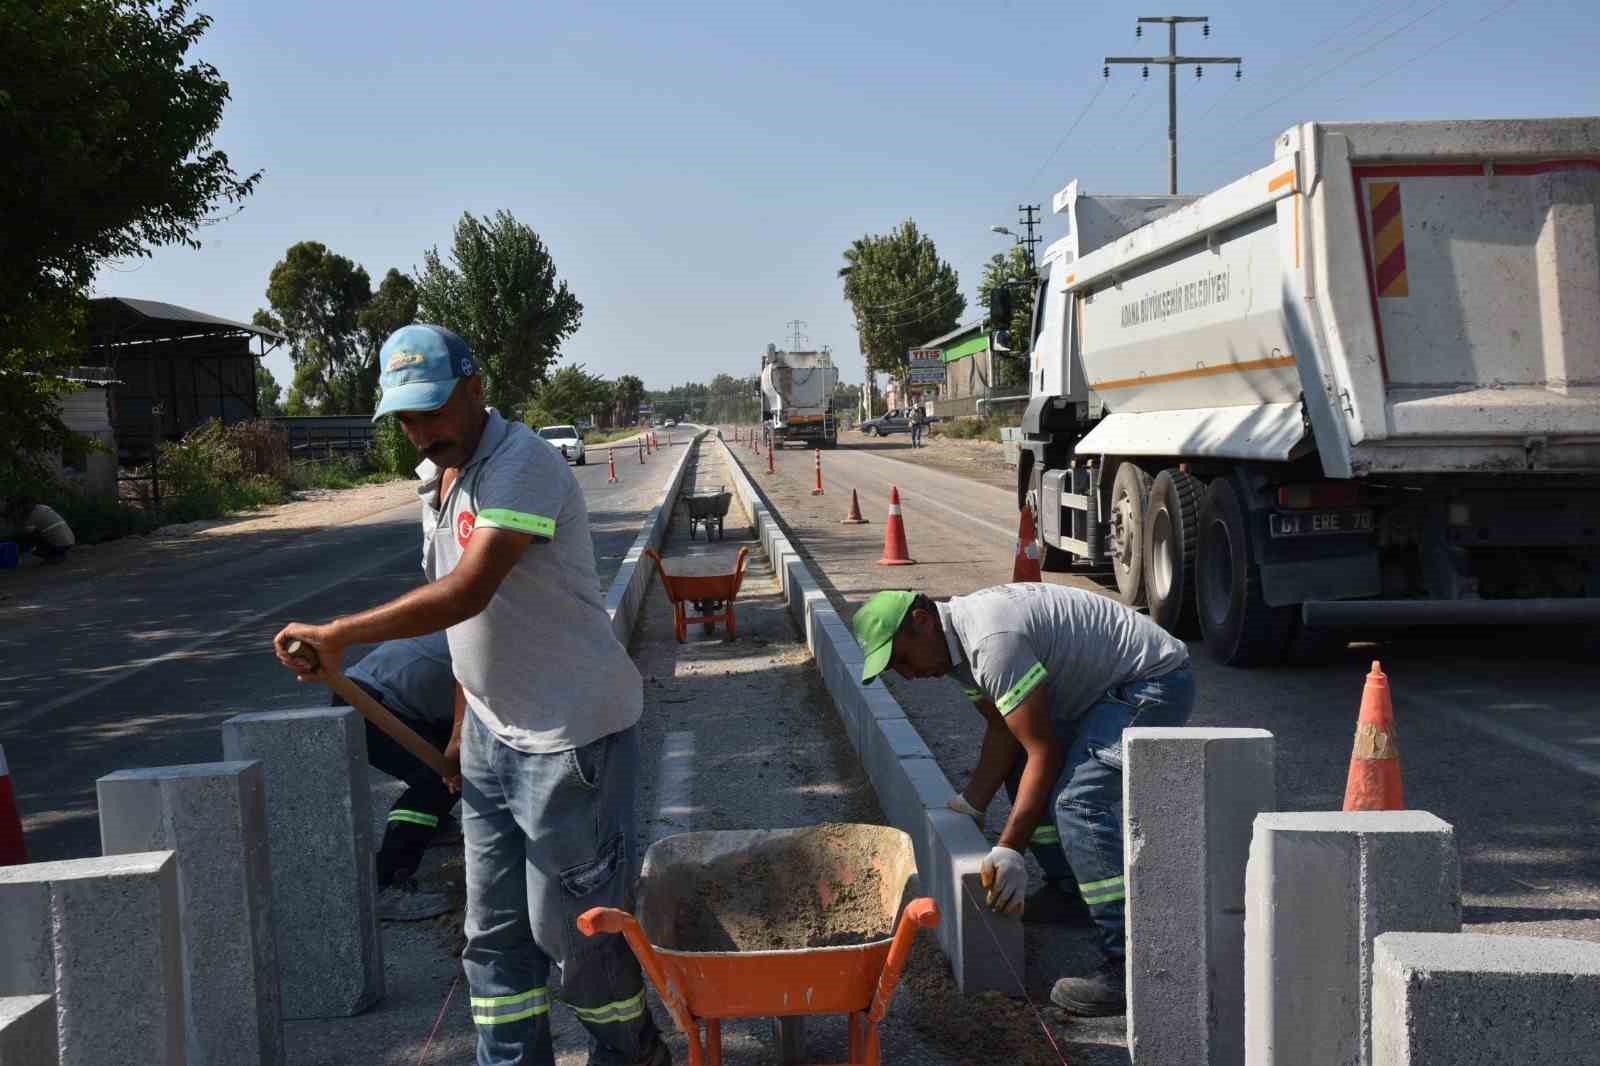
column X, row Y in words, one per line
column 175, row 368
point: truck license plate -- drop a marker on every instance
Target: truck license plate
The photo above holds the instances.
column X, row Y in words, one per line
column 1317, row 523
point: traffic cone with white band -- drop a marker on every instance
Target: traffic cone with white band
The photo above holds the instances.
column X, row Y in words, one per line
column 895, row 551
column 1026, row 565
column 611, row 455
column 1374, row 781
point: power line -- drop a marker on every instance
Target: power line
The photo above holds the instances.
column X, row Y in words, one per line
column 1100, row 88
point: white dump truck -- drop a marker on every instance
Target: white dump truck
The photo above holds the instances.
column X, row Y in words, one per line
column 797, row 397
column 1357, row 387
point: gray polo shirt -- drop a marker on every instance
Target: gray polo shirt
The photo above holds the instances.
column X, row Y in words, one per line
column 540, row 666
column 414, row 676
column 1007, row 640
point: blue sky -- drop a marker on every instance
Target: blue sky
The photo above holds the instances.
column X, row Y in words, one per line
column 697, row 168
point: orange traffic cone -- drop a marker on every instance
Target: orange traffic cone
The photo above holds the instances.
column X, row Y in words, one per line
column 854, row 517
column 895, row 552
column 818, row 490
column 611, row 456
column 1026, row 565
column 12, row 850
column 1374, row 781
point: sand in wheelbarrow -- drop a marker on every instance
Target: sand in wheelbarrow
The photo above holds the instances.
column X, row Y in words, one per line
column 821, row 889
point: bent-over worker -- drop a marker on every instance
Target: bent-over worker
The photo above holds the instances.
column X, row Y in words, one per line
column 545, row 729
column 1058, row 673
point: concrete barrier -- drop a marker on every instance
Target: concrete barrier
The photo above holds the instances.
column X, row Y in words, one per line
column 28, row 1031
column 213, row 815
column 632, row 580
column 319, row 832
column 1189, row 798
column 101, row 935
column 1469, row 998
column 984, row 948
column 1319, row 889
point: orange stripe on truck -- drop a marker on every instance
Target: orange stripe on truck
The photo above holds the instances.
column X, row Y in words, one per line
column 1286, row 178
column 1272, row 362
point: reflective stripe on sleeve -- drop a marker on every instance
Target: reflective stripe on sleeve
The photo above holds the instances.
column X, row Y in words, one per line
column 1108, row 891
column 1019, row 692
column 498, row 1010
column 499, row 518
column 623, row 1010
column 1045, row 834
column 414, row 817
column 975, row 694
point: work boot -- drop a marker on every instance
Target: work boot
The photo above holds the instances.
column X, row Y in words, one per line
column 1100, row 995
column 1049, row 904
column 404, row 901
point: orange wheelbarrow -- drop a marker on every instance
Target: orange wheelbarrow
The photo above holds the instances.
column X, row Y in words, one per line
column 712, row 905
column 711, row 594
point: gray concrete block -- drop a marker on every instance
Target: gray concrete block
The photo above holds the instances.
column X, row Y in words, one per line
column 101, row 935
column 213, row 815
column 984, row 948
column 319, row 831
column 1319, row 888
column 28, row 1031
column 1190, row 797
column 1471, row 999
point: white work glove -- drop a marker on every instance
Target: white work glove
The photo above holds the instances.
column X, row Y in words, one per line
column 959, row 804
column 1006, row 877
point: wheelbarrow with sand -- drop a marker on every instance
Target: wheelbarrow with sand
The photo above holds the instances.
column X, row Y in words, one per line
column 780, row 923
column 699, row 580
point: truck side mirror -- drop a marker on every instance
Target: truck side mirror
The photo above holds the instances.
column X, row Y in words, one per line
column 1000, row 307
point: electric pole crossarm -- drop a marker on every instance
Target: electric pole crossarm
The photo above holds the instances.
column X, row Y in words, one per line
column 1174, row 61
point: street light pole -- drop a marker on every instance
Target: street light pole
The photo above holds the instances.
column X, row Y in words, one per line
column 1172, row 61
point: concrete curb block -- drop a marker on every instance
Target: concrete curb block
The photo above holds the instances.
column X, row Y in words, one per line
column 627, row 590
column 984, row 949
column 28, row 1031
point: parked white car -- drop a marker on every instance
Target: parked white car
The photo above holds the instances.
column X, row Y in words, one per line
column 567, row 439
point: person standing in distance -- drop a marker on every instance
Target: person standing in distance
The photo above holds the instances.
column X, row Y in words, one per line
column 544, row 733
column 1057, row 673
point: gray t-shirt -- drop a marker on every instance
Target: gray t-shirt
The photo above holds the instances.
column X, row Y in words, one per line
column 1011, row 638
column 414, row 676
column 540, row 665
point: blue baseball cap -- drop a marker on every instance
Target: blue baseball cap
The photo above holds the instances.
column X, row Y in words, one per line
column 419, row 366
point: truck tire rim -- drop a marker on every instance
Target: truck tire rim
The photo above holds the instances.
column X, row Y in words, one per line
column 1161, row 576
column 1216, row 576
column 1122, row 538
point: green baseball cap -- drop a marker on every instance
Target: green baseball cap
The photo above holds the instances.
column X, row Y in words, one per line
column 875, row 626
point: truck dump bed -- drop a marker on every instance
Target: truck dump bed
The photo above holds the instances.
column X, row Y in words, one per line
column 1425, row 295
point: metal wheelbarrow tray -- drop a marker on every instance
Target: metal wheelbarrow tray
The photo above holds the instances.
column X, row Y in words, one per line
column 707, row 509
column 705, row 898
column 711, row 594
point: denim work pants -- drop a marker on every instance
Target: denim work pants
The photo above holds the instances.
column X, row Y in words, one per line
column 548, row 837
column 1080, row 850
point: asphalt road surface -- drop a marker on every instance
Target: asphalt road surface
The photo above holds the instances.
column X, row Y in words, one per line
column 137, row 665
column 1499, row 730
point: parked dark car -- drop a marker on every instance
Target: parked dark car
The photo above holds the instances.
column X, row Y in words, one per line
column 893, row 422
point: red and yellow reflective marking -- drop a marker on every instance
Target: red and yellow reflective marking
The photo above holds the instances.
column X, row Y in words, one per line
column 1388, row 239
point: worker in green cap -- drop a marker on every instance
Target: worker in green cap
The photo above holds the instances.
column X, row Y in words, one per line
column 1057, row 673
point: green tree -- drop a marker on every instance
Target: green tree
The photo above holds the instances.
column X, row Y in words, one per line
column 846, row 399
column 500, row 292
column 107, row 126
column 1011, row 269
column 571, row 394
column 627, row 392
column 267, row 392
column 392, row 306
column 902, row 293
column 316, row 296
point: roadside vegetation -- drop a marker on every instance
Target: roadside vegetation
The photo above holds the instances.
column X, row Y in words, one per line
column 972, row 428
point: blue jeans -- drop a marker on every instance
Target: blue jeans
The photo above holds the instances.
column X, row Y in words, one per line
column 1080, row 850
column 548, row 837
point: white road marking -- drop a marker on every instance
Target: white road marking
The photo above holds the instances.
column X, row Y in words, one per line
column 122, row 673
column 1519, row 738
column 673, row 779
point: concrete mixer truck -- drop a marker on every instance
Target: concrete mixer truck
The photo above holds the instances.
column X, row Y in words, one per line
column 1357, row 387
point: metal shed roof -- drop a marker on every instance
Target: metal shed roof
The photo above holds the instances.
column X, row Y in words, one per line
column 122, row 320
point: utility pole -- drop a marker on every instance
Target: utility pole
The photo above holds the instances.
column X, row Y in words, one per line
column 796, row 325
column 1172, row 61
column 1030, row 223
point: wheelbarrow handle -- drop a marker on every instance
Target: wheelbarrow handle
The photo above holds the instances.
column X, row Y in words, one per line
column 597, row 920
column 920, row 913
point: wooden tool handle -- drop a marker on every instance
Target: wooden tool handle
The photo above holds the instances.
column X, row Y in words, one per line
column 376, row 713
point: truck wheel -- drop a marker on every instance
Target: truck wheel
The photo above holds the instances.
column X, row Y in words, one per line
column 1239, row 628
column 1130, row 493
column 1171, row 536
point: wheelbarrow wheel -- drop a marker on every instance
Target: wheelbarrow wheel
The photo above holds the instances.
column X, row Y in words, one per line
column 789, row 1037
